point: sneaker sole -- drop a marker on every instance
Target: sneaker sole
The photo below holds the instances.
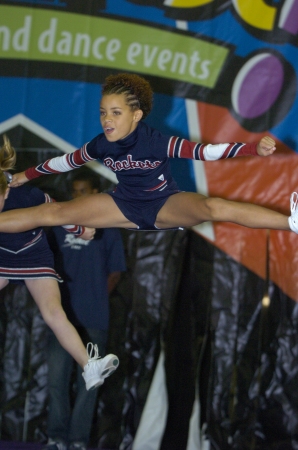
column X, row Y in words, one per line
column 113, row 364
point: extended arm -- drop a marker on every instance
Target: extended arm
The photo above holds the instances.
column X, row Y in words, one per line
column 59, row 164
column 181, row 148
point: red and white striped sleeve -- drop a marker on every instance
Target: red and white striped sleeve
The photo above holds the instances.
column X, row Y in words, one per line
column 182, row 148
column 60, row 164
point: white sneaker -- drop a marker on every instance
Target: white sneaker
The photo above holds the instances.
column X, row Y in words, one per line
column 97, row 369
column 293, row 219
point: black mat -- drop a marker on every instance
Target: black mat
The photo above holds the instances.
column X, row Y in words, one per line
column 12, row 445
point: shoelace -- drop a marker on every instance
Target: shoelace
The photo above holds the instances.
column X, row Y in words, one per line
column 92, row 349
column 293, row 201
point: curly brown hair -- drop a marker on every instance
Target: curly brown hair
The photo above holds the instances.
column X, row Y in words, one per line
column 137, row 91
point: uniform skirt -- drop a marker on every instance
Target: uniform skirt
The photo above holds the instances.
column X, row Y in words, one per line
column 34, row 262
column 142, row 209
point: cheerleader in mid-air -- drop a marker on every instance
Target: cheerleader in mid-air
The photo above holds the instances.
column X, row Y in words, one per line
column 146, row 197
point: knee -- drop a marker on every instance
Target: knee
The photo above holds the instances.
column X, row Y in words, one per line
column 213, row 205
column 53, row 315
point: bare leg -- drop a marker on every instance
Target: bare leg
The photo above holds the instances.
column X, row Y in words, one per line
column 183, row 209
column 95, row 211
column 188, row 209
column 3, row 283
column 46, row 294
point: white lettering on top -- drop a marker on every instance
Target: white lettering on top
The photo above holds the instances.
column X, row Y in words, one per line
column 129, row 163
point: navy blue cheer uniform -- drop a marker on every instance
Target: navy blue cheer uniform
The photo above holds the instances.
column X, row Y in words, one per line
column 27, row 254
column 141, row 164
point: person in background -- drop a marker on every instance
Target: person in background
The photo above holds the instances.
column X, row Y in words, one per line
column 90, row 270
column 26, row 258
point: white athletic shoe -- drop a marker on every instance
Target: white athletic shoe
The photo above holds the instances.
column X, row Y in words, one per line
column 293, row 219
column 97, row 369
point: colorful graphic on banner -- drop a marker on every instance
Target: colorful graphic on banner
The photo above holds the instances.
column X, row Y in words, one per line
column 222, row 71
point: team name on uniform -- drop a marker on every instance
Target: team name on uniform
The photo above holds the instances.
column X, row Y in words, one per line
column 129, row 163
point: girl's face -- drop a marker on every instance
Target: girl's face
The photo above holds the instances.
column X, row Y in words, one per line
column 116, row 117
column 3, row 197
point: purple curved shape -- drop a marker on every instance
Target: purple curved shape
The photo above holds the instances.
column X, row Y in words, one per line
column 291, row 20
column 260, row 87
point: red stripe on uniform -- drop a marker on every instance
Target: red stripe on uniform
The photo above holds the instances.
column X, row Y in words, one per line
column 81, row 156
column 172, row 143
column 85, row 153
column 34, row 239
column 48, row 168
column 201, row 152
column 156, row 187
column 27, row 271
column 227, row 151
column 187, row 149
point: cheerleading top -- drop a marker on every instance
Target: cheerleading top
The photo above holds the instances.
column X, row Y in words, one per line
column 141, row 164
